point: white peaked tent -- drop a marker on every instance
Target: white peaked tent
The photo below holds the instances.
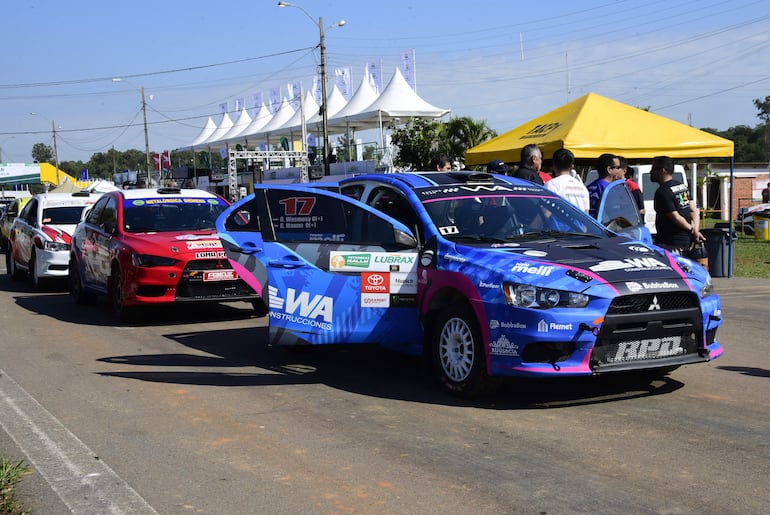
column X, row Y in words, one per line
column 361, row 99
column 205, row 134
column 243, row 121
column 335, row 102
column 261, row 118
column 397, row 100
column 281, row 116
column 294, row 124
column 224, row 126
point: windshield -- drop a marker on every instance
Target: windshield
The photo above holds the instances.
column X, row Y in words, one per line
column 501, row 218
column 65, row 215
column 171, row 215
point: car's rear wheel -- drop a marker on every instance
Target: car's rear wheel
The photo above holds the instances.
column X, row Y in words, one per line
column 76, row 286
column 458, row 354
column 10, row 265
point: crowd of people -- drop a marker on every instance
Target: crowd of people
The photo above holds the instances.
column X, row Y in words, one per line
column 676, row 215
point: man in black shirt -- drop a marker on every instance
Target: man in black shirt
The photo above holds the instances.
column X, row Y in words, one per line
column 531, row 162
column 676, row 216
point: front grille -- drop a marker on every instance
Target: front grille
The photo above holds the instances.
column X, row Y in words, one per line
column 652, row 302
column 650, row 328
column 192, row 285
column 547, row 352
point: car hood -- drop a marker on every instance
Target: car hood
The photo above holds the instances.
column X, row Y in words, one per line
column 61, row 232
column 584, row 264
column 203, row 244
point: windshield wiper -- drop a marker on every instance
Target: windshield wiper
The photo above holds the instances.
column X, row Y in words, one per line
column 556, row 234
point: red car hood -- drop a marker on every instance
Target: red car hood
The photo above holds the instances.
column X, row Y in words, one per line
column 194, row 245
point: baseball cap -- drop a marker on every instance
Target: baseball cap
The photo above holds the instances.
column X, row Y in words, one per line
column 497, row 166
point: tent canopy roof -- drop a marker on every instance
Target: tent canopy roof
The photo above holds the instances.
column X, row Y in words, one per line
column 593, row 125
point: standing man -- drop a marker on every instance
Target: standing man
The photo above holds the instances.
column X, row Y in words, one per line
column 529, row 166
column 564, row 183
column 440, row 163
column 608, row 169
column 766, row 194
column 676, row 216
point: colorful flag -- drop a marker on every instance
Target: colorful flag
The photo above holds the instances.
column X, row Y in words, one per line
column 223, row 107
column 166, row 161
column 156, row 162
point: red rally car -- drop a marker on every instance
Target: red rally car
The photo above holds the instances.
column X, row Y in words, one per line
column 154, row 246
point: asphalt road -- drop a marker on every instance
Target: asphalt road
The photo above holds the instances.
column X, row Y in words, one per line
column 190, row 412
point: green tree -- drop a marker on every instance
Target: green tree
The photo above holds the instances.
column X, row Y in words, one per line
column 763, row 108
column 42, row 153
column 464, row 132
column 417, row 141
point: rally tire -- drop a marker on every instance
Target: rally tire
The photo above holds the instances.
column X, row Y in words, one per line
column 76, row 289
column 11, row 267
column 457, row 354
column 34, row 274
column 121, row 311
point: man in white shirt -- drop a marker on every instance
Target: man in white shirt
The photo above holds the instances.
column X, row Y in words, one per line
column 564, row 183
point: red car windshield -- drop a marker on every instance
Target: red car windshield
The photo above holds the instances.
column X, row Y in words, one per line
column 171, row 214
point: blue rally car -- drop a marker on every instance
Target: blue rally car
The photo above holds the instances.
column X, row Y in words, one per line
column 485, row 275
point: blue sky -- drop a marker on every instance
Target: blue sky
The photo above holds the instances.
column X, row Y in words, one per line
column 700, row 62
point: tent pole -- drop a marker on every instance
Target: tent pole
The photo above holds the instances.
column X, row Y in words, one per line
column 730, row 234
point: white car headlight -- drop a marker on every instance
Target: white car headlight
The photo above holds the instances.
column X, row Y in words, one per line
column 529, row 296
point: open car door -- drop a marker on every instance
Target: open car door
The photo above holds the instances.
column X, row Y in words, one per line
column 618, row 212
column 329, row 268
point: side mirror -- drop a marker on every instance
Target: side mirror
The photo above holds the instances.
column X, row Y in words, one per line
column 404, row 239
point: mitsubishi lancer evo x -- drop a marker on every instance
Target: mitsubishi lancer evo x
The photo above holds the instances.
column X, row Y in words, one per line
column 486, row 275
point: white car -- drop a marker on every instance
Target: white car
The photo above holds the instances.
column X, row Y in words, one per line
column 39, row 239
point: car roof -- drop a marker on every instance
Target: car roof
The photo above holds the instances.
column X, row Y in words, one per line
column 443, row 180
column 66, row 199
column 144, row 193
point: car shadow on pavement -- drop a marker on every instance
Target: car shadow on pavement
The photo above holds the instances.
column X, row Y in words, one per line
column 366, row 370
column 61, row 306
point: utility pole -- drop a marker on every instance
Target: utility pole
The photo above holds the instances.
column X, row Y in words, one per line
column 55, row 152
column 324, row 110
column 146, row 137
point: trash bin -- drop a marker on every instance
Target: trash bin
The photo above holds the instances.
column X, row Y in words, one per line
column 717, row 247
column 761, row 228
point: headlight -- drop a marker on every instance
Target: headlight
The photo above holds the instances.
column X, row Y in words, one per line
column 528, row 296
column 708, row 286
column 55, row 246
column 149, row 260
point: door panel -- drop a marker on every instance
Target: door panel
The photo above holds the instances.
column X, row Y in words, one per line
column 330, row 267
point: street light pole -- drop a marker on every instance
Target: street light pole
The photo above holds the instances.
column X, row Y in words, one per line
column 324, row 113
column 324, row 107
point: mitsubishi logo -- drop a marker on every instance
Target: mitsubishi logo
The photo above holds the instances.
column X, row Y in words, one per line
column 654, row 306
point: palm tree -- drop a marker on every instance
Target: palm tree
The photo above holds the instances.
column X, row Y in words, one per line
column 464, row 132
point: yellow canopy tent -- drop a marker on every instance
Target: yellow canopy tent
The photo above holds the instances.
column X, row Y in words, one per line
column 592, row 125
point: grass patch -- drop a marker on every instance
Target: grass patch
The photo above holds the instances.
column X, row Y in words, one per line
column 751, row 257
column 11, row 473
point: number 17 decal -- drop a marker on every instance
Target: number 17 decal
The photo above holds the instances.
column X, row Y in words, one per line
column 294, row 206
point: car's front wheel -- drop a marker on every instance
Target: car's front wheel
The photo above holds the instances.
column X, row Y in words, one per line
column 34, row 274
column 76, row 285
column 10, row 265
column 123, row 312
column 458, row 354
